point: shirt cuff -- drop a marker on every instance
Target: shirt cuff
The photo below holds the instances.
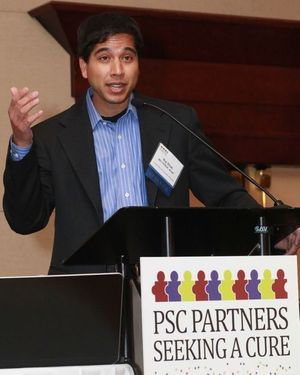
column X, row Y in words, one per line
column 17, row 153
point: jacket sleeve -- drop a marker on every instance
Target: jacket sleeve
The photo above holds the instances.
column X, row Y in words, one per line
column 28, row 192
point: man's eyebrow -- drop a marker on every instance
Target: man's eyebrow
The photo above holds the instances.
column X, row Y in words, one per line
column 105, row 49
column 101, row 50
column 130, row 49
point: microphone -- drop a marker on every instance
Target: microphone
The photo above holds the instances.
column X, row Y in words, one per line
column 138, row 103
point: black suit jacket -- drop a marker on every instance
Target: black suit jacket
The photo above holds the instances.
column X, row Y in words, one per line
column 60, row 172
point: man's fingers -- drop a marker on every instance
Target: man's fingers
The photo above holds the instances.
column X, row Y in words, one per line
column 17, row 94
column 24, row 99
column 292, row 250
column 22, row 102
column 35, row 116
column 297, row 236
column 14, row 91
column 291, row 243
column 29, row 105
column 282, row 244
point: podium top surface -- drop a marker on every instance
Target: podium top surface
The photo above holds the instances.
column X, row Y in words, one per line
column 134, row 232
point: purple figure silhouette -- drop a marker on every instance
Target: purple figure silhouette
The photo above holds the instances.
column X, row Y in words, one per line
column 172, row 287
column 212, row 288
column 252, row 285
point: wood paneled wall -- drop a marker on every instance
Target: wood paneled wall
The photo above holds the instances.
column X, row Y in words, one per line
column 241, row 74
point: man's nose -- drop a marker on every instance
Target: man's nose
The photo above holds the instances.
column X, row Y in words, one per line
column 116, row 67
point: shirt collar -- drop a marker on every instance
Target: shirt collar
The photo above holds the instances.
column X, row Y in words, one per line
column 95, row 116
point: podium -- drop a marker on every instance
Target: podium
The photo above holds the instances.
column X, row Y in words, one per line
column 136, row 232
column 85, row 319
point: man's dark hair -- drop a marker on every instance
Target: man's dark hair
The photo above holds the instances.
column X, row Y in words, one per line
column 98, row 28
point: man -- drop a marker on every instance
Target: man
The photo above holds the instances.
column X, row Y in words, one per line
column 91, row 160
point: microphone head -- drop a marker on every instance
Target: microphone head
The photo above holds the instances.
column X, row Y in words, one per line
column 138, row 103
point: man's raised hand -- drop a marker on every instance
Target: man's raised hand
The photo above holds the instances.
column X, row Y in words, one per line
column 22, row 102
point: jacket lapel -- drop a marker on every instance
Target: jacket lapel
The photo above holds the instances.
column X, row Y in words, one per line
column 77, row 141
column 154, row 129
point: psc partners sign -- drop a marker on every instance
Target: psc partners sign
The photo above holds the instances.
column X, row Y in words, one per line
column 235, row 315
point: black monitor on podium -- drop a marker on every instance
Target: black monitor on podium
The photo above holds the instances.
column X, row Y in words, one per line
column 60, row 320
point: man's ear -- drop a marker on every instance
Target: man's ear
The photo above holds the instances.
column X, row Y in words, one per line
column 83, row 65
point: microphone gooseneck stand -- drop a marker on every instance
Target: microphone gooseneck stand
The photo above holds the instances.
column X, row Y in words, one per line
column 262, row 229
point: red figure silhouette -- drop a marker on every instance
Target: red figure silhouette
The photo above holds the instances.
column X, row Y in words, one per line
column 158, row 288
column 199, row 287
column 278, row 285
column 239, row 286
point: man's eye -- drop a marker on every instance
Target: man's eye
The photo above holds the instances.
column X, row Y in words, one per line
column 127, row 58
column 103, row 58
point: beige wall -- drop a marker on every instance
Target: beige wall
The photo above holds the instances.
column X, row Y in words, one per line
column 31, row 57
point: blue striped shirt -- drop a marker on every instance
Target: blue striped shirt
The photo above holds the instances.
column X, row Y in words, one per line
column 17, row 153
column 119, row 159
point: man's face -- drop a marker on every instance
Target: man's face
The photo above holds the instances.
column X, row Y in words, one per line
column 112, row 71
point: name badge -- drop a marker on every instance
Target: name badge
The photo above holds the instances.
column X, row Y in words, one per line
column 164, row 169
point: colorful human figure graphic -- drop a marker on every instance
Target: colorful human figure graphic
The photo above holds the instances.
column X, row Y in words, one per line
column 225, row 287
column 158, row 288
column 212, row 287
column 279, row 285
column 265, row 286
column 239, row 286
column 172, row 287
column 199, row 287
column 252, row 285
column 186, row 287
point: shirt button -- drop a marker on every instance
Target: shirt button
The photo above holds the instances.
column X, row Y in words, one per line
column 119, row 136
column 123, row 165
column 126, row 195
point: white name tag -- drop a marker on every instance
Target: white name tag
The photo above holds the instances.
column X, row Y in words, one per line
column 164, row 169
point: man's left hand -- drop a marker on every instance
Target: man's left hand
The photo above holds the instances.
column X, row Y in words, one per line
column 290, row 243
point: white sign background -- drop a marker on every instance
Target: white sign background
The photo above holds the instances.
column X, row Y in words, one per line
column 176, row 334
